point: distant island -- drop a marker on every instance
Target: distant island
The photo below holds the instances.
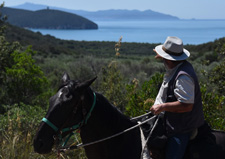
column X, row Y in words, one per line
column 46, row 19
column 105, row 15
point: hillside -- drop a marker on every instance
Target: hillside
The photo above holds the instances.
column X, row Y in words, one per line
column 125, row 15
column 47, row 19
column 105, row 14
column 49, row 45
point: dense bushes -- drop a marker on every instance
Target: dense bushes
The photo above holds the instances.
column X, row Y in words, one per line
column 21, row 80
column 113, row 86
column 126, row 92
column 141, row 98
column 24, row 81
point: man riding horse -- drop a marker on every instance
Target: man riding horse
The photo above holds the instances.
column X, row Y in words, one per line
column 179, row 97
column 76, row 106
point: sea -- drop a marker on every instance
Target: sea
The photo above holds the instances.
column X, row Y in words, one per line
column 190, row 31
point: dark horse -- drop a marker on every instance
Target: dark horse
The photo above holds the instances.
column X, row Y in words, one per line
column 76, row 106
column 71, row 105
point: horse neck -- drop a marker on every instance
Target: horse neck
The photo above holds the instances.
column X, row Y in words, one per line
column 105, row 120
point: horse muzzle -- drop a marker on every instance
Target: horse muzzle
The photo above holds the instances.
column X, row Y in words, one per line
column 42, row 146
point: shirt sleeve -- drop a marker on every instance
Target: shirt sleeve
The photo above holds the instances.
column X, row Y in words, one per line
column 185, row 89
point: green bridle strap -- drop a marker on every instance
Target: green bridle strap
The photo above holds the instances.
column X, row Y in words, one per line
column 72, row 127
column 92, row 107
column 50, row 124
column 83, row 121
column 67, row 139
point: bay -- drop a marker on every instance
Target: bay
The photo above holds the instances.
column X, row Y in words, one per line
column 190, row 31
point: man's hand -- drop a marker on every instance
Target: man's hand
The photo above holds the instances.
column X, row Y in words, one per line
column 156, row 109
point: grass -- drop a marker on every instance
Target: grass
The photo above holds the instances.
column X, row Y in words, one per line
column 18, row 127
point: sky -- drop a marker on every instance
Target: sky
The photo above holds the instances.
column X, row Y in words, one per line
column 184, row 9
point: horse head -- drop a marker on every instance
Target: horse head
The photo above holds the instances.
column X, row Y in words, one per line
column 66, row 112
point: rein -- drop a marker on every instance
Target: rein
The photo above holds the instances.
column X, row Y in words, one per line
column 72, row 128
column 107, row 138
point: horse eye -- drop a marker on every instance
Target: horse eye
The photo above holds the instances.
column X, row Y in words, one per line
column 66, row 91
column 63, row 92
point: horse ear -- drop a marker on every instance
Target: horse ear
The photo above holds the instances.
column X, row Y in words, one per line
column 84, row 85
column 65, row 78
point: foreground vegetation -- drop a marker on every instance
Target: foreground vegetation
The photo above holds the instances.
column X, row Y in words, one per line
column 128, row 75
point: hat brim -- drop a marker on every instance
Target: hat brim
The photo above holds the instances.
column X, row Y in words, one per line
column 167, row 56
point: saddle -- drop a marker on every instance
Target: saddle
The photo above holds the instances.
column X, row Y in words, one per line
column 204, row 145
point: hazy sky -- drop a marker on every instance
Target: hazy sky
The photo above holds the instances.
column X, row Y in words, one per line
column 186, row 9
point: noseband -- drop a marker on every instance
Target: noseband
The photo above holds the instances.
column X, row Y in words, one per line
column 72, row 128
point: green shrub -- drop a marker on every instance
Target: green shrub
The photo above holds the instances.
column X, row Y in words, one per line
column 141, row 99
column 112, row 85
column 24, row 81
column 213, row 107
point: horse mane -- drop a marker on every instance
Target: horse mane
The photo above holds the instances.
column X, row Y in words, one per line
column 112, row 112
column 107, row 120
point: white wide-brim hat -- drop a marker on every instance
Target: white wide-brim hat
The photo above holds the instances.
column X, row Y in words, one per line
column 172, row 49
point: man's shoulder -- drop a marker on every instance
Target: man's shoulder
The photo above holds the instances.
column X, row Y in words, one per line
column 186, row 70
column 185, row 78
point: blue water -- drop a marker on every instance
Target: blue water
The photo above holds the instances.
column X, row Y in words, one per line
column 190, row 31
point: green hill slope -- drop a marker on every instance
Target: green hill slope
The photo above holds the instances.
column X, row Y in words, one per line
column 48, row 44
column 47, row 19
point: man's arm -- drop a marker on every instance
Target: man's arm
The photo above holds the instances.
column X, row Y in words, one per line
column 175, row 107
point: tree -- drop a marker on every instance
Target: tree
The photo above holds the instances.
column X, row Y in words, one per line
column 21, row 80
column 2, row 20
column 24, row 80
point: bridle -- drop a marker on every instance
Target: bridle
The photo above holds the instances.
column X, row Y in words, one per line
column 71, row 129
